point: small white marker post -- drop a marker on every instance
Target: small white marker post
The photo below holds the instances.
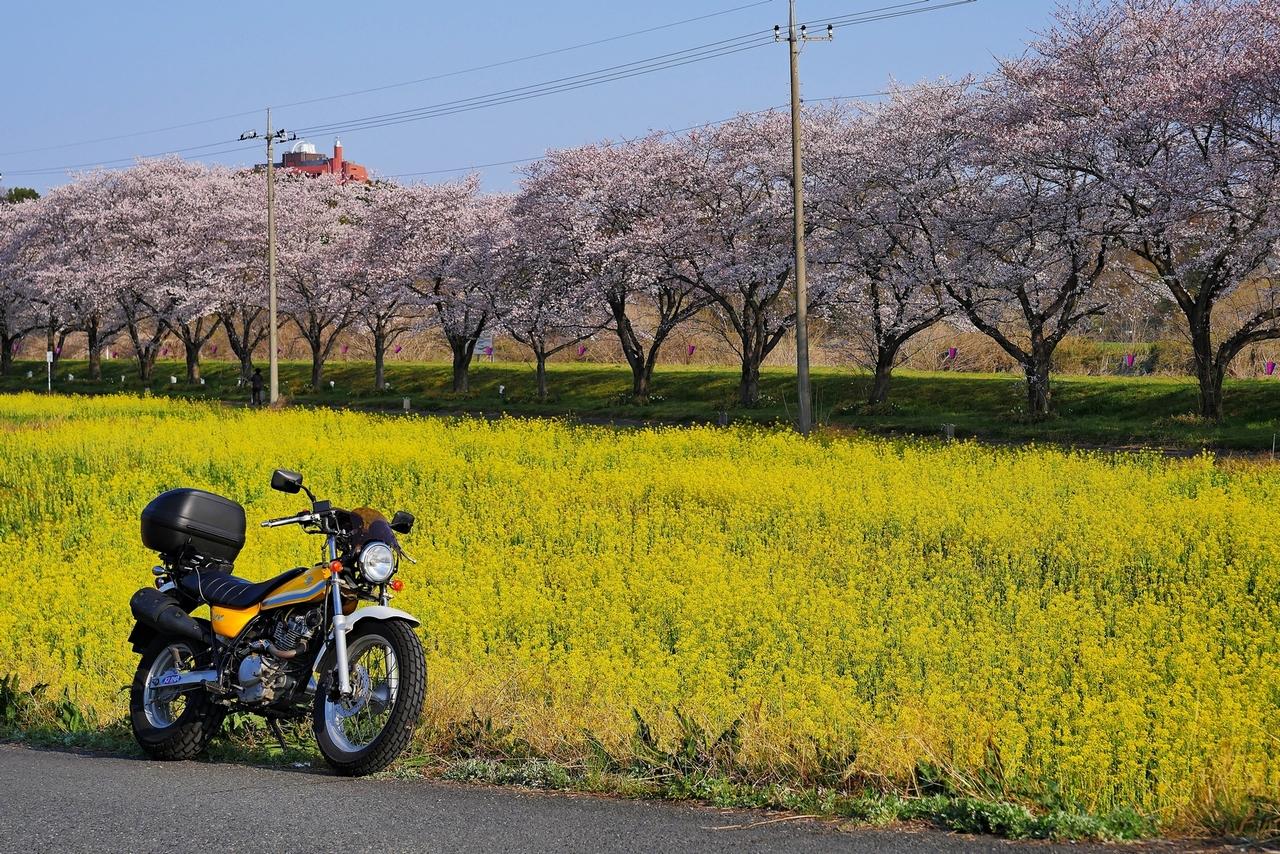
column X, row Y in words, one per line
column 48, row 360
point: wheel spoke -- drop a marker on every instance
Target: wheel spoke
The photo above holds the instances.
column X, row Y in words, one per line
column 164, row 706
column 355, row 722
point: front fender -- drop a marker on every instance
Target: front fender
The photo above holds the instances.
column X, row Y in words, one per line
column 373, row 612
column 381, row 612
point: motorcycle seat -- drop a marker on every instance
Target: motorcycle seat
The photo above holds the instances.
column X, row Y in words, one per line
column 228, row 591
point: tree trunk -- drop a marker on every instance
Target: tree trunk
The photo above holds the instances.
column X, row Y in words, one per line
column 317, row 366
column 1210, row 378
column 880, row 383
column 641, row 376
column 95, row 348
column 462, row 348
column 7, row 344
column 1037, row 372
column 49, row 342
column 542, row 376
column 1208, row 374
column 146, row 364
column 749, row 385
column 379, row 361
column 193, row 361
column 241, row 344
column 632, row 349
column 886, row 354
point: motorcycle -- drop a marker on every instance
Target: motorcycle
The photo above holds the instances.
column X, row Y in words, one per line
column 292, row 646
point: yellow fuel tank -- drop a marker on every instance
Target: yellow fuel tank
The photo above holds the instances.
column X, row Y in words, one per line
column 307, row 587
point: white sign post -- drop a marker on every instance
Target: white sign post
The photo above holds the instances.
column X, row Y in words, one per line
column 484, row 346
column 48, row 360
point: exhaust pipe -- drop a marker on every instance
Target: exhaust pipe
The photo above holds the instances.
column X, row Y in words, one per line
column 165, row 615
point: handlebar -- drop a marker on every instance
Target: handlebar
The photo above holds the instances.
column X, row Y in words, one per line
column 300, row 519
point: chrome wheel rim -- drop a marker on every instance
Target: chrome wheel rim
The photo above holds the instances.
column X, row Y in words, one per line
column 356, row 722
column 163, row 706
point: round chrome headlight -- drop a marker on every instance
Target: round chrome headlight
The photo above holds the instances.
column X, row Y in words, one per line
column 377, row 562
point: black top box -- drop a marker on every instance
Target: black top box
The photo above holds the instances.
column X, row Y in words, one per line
column 184, row 521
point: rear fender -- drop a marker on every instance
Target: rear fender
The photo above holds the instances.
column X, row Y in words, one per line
column 142, row 635
column 324, row 658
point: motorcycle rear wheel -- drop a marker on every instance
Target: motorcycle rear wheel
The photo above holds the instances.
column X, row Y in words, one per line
column 388, row 673
column 171, row 724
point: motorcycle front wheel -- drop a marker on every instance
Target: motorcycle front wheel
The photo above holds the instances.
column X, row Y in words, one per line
column 366, row 731
column 171, row 723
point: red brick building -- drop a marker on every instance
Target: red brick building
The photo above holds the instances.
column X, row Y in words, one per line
column 303, row 157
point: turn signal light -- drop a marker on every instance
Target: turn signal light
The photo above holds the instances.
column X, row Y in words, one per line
column 396, row 585
column 335, row 567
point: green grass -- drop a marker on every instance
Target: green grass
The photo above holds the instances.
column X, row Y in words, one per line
column 1120, row 411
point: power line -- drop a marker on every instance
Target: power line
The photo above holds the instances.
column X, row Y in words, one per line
column 130, row 135
column 700, row 53
column 443, row 75
column 531, row 56
column 567, row 83
column 125, row 161
column 839, row 23
column 477, row 166
column 674, row 59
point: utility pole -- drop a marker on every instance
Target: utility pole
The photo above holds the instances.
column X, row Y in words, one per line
column 273, row 331
column 796, row 37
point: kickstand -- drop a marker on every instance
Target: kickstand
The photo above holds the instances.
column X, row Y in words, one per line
column 274, row 723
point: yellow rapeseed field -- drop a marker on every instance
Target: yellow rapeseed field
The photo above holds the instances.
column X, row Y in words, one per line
column 1108, row 627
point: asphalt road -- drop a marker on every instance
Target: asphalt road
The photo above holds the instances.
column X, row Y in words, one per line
column 60, row 801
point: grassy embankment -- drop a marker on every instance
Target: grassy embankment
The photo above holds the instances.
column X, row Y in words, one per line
column 1149, row 411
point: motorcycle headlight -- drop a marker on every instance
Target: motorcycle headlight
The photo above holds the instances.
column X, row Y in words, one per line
column 377, row 562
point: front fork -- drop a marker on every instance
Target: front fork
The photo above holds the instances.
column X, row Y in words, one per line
column 339, row 623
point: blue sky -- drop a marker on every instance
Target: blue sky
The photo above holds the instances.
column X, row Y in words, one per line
column 81, row 71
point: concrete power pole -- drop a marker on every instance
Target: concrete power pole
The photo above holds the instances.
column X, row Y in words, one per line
column 796, row 37
column 273, row 337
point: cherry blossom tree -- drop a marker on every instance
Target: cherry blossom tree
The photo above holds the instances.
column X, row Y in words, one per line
column 406, row 234
column 1034, row 237
column 237, row 247
column 880, row 174
column 319, row 259
column 1173, row 106
column 456, row 268
column 72, row 270
column 538, row 294
column 172, row 260
column 735, row 182
column 20, row 314
column 610, row 217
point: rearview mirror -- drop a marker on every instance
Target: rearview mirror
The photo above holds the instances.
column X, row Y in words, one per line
column 402, row 522
column 283, row 480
